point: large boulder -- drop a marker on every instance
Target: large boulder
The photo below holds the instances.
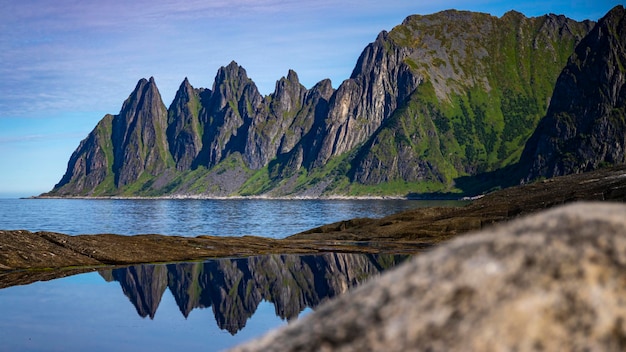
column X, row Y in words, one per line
column 551, row 281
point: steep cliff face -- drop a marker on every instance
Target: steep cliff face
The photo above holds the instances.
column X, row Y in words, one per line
column 127, row 149
column 184, row 131
column 91, row 164
column 234, row 103
column 139, row 140
column 380, row 82
column 274, row 123
column 407, row 147
column 302, row 141
column 585, row 126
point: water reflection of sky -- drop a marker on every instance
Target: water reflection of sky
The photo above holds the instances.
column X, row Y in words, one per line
column 226, row 301
column 85, row 313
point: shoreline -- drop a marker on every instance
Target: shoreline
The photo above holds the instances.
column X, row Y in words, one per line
column 258, row 197
column 411, row 231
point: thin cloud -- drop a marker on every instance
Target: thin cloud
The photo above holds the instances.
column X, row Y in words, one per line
column 74, row 49
column 38, row 138
column 72, row 55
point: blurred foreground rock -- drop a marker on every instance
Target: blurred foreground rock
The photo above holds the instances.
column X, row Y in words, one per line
column 551, row 281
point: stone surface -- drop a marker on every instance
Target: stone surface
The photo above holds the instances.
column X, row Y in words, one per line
column 183, row 125
column 552, row 281
column 30, row 256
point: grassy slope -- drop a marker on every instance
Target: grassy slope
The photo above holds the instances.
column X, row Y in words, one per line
column 483, row 120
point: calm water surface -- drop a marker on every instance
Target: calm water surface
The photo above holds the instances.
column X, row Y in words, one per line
column 267, row 218
column 204, row 306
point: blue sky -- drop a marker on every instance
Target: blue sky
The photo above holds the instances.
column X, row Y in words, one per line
column 66, row 63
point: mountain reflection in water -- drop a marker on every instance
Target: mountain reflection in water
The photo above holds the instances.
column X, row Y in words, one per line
column 234, row 288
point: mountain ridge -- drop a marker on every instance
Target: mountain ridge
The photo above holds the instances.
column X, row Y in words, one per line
column 586, row 122
column 421, row 108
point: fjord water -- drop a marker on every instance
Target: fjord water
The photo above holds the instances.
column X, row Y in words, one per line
column 205, row 306
column 191, row 217
column 181, row 306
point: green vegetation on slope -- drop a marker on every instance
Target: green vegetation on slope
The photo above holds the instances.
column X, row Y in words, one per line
column 487, row 82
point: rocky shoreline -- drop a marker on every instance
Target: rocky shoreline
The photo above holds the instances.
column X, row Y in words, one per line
column 27, row 256
column 209, row 197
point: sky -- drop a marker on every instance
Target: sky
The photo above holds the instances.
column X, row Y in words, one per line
column 64, row 64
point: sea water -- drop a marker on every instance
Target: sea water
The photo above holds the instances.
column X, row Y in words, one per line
column 210, row 305
column 192, row 217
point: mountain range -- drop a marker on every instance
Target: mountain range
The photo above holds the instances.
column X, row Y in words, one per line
column 438, row 98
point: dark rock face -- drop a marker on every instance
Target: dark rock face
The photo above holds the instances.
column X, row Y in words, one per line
column 270, row 126
column 232, row 105
column 144, row 285
column 585, row 127
column 302, row 140
column 138, row 136
column 122, row 148
column 552, row 281
column 89, row 165
column 440, row 96
column 380, row 82
column 183, row 125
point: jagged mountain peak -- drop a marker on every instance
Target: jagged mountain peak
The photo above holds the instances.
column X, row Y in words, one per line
column 185, row 83
column 144, row 81
column 232, row 69
column 289, row 91
column 183, row 125
column 615, row 14
column 185, row 90
column 372, row 55
column 513, row 13
column 138, row 135
column 231, row 76
column 291, row 79
column 146, row 93
column 292, row 76
column 230, row 83
column 145, row 84
column 325, row 87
